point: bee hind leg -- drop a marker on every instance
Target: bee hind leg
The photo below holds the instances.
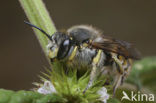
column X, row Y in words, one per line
column 118, row 67
column 117, row 83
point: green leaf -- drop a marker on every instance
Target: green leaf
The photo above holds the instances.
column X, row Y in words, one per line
column 143, row 74
column 7, row 96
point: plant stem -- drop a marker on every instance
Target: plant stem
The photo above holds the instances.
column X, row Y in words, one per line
column 38, row 15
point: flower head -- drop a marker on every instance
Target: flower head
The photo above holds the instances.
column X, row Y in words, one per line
column 103, row 94
column 47, row 88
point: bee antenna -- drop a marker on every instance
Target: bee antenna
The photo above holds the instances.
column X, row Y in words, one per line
column 49, row 37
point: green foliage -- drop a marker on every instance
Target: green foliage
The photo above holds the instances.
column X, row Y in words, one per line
column 143, row 74
column 70, row 87
column 7, row 96
column 113, row 100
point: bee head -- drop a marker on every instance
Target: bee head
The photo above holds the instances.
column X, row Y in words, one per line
column 60, row 46
column 59, row 43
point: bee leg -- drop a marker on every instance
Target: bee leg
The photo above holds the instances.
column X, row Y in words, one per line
column 94, row 70
column 122, row 79
column 117, row 83
column 120, row 72
column 92, row 77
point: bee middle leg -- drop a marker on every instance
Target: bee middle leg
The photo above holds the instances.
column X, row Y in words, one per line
column 95, row 63
column 92, row 77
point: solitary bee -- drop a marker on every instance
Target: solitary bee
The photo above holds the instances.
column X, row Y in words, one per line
column 83, row 45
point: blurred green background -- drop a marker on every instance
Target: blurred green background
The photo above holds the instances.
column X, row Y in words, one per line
column 21, row 58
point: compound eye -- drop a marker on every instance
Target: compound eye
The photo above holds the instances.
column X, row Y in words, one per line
column 64, row 49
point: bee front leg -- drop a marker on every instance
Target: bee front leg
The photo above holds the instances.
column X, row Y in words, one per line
column 94, row 70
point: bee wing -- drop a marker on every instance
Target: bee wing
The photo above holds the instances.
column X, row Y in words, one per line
column 117, row 46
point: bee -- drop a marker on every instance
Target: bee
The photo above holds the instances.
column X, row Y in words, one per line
column 84, row 45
